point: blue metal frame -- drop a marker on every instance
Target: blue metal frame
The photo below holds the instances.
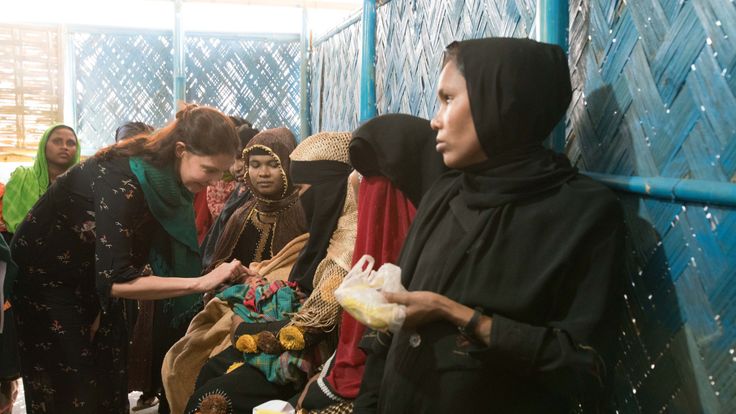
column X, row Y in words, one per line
column 180, row 80
column 673, row 189
column 553, row 22
column 305, row 129
column 344, row 25
column 368, row 62
column 552, row 26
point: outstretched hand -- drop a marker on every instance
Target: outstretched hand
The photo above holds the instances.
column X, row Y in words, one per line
column 225, row 273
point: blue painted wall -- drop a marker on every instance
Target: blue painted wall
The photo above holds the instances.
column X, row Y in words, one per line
column 654, row 96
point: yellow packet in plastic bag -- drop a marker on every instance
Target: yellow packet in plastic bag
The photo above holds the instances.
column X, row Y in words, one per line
column 360, row 294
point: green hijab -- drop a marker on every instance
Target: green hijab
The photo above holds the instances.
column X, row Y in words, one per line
column 174, row 251
column 27, row 184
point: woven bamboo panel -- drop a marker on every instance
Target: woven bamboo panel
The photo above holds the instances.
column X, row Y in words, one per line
column 410, row 38
column 119, row 76
column 655, row 96
column 412, row 34
column 253, row 77
column 335, row 80
column 31, row 86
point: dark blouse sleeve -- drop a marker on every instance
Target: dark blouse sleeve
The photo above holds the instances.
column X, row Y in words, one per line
column 568, row 355
column 120, row 249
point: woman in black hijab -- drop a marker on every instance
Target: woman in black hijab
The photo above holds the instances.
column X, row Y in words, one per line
column 510, row 262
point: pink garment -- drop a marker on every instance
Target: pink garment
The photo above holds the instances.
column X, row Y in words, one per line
column 217, row 195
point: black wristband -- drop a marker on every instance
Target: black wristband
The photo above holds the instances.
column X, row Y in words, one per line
column 469, row 329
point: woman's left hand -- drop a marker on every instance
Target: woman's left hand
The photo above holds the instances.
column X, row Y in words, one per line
column 421, row 307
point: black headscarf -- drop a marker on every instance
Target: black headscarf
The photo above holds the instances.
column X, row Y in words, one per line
column 401, row 148
column 322, row 203
column 519, row 90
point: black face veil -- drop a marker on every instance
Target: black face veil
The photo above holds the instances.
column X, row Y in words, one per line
column 323, row 204
column 401, row 148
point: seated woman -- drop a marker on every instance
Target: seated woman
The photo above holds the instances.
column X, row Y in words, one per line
column 269, row 220
column 237, row 198
column 395, row 154
column 273, row 216
column 511, row 263
column 277, row 332
column 57, row 152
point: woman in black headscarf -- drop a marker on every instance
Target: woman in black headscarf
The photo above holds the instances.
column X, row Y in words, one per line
column 395, row 153
column 510, row 262
column 274, row 350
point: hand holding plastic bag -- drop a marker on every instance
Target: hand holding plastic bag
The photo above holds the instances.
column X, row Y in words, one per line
column 360, row 294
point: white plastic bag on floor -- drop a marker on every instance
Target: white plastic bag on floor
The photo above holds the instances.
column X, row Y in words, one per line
column 274, row 407
column 360, row 295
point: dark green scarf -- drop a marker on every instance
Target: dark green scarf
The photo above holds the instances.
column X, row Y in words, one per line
column 174, row 251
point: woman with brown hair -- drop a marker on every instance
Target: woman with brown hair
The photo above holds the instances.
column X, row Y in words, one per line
column 119, row 225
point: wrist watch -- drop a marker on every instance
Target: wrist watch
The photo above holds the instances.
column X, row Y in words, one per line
column 469, row 329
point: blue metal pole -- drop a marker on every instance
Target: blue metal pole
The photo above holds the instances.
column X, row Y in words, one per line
column 368, row 62
column 304, row 79
column 553, row 22
column 673, row 189
column 179, row 66
column 552, row 25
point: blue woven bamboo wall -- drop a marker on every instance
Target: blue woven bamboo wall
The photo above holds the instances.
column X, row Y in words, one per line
column 412, row 34
column 256, row 77
column 654, row 96
column 410, row 38
column 335, row 79
column 116, row 77
column 122, row 75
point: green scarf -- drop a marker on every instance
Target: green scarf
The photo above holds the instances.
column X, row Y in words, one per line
column 27, row 184
column 174, row 251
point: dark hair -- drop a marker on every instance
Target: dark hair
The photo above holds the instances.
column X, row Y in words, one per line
column 246, row 133
column 204, row 130
column 452, row 53
column 132, row 129
column 239, row 121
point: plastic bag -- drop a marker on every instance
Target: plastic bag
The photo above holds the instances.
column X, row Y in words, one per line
column 274, row 407
column 360, row 295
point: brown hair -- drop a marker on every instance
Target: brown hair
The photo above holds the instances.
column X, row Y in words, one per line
column 204, row 130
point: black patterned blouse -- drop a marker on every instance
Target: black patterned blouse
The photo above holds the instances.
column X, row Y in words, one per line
column 91, row 229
